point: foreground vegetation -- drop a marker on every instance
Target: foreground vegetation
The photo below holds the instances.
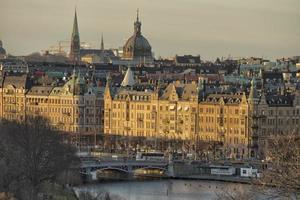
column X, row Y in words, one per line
column 32, row 156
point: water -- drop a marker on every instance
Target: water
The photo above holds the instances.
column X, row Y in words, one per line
column 170, row 189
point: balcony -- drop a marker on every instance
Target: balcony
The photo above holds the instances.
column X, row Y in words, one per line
column 140, row 119
column 66, row 113
column 127, row 128
column 11, row 111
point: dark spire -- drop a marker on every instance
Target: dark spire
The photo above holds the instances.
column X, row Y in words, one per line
column 137, row 24
column 102, row 43
column 75, row 25
column 75, row 41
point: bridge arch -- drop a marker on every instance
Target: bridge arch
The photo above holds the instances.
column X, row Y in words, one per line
column 112, row 169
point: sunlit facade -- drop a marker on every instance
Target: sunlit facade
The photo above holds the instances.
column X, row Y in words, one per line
column 74, row 108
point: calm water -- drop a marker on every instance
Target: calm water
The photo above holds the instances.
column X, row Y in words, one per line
column 168, row 189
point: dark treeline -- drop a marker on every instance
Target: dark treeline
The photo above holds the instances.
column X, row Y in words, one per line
column 31, row 154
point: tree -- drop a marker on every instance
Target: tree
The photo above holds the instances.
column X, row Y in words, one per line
column 32, row 153
column 283, row 171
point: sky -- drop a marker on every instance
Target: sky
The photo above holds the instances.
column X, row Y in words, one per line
column 210, row 28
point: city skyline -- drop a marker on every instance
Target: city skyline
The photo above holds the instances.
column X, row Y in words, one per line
column 235, row 28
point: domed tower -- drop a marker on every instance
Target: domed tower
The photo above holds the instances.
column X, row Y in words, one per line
column 137, row 46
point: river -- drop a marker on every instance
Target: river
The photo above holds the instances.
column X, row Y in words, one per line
column 170, row 190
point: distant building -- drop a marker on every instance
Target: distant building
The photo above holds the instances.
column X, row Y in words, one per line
column 251, row 61
column 98, row 56
column 187, row 60
column 13, row 65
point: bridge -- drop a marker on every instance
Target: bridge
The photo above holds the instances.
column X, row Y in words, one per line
column 129, row 167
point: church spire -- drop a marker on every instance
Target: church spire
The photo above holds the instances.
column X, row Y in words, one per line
column 75, row 41
column 102, row 42
column 75, row 25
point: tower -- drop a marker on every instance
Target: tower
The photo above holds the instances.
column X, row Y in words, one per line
column 75, row 42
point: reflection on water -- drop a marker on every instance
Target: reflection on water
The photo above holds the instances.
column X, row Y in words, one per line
column 166, row 189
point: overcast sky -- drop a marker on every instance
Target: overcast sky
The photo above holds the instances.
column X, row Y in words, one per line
column 211, row 28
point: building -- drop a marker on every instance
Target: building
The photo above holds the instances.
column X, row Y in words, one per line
column 224, row 118
column 182, row 112
column 96, row 56
column 276, row 114
column 187, row 61
column 75, row 107
column 137, row 49
column 13, row 65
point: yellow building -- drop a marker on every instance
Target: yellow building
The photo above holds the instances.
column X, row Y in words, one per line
column 149, row 114
column 178, row 112
column 74, row 107
column 224, row 118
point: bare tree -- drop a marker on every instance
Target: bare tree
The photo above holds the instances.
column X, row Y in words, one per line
column 31, row 153
column 283, row 172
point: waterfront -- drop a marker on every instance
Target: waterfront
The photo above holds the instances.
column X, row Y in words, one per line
column 168, row 189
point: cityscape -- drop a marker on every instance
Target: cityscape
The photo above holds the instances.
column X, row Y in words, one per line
column 86, row 121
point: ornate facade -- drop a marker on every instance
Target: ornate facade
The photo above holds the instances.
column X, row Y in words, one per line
column 274, row 114
column 179, row 112
column 74, row 108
